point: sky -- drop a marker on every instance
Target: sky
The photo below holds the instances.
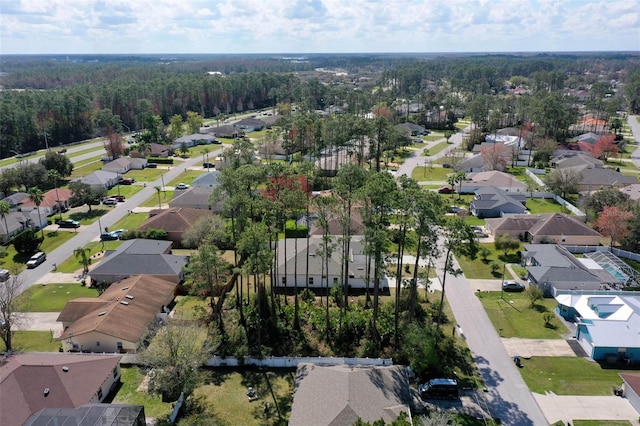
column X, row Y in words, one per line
column 316, row 26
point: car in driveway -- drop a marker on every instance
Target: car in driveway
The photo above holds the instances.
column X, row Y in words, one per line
column 108, row 236
column 182, row 185
column 109, row 201
column 152, row 166
column 127, row 181
column 512, row 286
column 68, row 223
column 4, row 275
column 208, row 165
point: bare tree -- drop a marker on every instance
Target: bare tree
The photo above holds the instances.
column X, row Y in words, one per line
column 563, row 181
column 12, row 316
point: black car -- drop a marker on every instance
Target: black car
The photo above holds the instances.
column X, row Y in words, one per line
column 512, row 286
column 152, row 166
column 68, row 223
column 208, row 165
column 108, row 236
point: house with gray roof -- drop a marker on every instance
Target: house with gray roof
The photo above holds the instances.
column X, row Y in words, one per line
column 552, row 268
column 556, row 228
column 579, row 159
column 120, row 165
column 195, row 198
column 606, row 324
column 101, row 179
column 140, row 256
column 207, row 180
column 593, row 178
column 494, row 202
column 588, row 137
column 411, row 129
column 343, row 394
column 16, row 199
column 633, row 191
column 225, row 131
column 291, row 270
column 501, row 180
column 193, row 140
column 248, row 125
column 17, row 221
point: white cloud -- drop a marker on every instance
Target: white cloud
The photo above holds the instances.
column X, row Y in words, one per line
column 245, row 26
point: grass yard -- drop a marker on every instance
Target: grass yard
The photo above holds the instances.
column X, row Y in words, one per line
column 601, row 423
column 543, row 205
column 145, row 175
column 128, row 394
column 85, row 167
column 430, row 173
column 479, row 268
column 53, row 297
column 126, row 190
column 515, row 318
column 187, row 307
column 569, row 376
column 16, row 263
column 472, row 220
column 165, row 197
column 187, row 177
column 437, row 148
column 33, row 341
column 225, row 398
column 72, row 264
column 83, row 152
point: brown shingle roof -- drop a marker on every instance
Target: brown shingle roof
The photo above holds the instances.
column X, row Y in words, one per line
column 175, row 219
column 24, row 377
column 50, row 198
column 144, row 294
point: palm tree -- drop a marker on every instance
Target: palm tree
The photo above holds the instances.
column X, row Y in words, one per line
column 81, row 254
column 5, row 208
column 158, row 189
column 36, row 195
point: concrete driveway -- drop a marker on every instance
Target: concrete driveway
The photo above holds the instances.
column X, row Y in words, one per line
column 569, row 408
column 43, row 321
column 527, row 348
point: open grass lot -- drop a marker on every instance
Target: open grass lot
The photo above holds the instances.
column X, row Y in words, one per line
column 165, row 197
column 33, row 341
column 430, row 173
column 86, row 167
column 53, row 297
column 569, row 376
column 480, row 268
column 128, row 394
column 437, row 148
column 601, row 423
column 145, row 175
column 543, row 205
column 16, row 263
column 72, row 264
column 514, row 316
column 187, row 177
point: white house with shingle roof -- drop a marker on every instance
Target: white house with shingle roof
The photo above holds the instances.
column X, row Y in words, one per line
column 101, row 179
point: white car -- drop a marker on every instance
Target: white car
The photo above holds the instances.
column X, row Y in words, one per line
column 182, row 185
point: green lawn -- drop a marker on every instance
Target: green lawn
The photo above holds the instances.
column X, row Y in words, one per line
column 126, row 190
column 16, row 263
column 437, row 148
column 601, row 423
column 432, row 137
column 165, row 197
column 33, row 341
column 83, row 152
column 53, row 297
column 480, row 268
column 432, row 172
column 86, row 167
column 187, row 177
column 128, row 394
column 568, row 376
column 515, row 318
column 72, row 264
column 543, row 205
column 145, row 175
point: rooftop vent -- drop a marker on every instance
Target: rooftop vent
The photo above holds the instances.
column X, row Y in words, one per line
column 65, row 369
column 125, row 288
column 128, row 296
column 46, row 392
column 124, row 302
column 102, row 313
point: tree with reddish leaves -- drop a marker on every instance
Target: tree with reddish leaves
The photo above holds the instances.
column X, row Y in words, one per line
column 113, row 145
column 613, row 222
column 605, row 147
column 496, row 156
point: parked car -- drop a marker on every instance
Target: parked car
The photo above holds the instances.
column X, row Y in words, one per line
column 453, row 209
column 62, row 150
column 68, row 223
column 439, row 389
column 512, row 286
column 108, row 236
column 4, row 275
column 446, row 190
column 109, row 201
column 152, row 166
column 127, row 181
column 217, row 142
column 208, row 165
column 119, row 198
column 36, row 260
column 479, row 232
column 118, row 232
column 182, row 185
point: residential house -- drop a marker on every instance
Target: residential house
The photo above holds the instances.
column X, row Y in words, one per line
column 498, row 179
column 292, row 265
column 193, row 140
column 120, row 165
column 195, row 198
column 472, row 164
column 176, row 221
column 91, row 414
column 272, row 151
column 17, row 221
column 593, row 178
column 494, row 202
column 101, row 179
column 411, row 129
column 54, row 201
column 574, row 160
column 589, row 137
column 159, row 150
column 16, row 199
column 344, row 394
column 226, row 131
column 633, row 191
column 209, row 180
column 140, row 256
column 552, row 268
column 556, row 228
column 119, row 319
column 330, row 161
column 30, row 382
column 249, row 125
column 603, row 324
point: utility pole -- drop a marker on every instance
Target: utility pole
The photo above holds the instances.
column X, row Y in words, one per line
column 504, row 268
column 46, row 141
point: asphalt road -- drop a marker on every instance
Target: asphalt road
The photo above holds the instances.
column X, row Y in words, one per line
column 32, row 276
column 635, row 129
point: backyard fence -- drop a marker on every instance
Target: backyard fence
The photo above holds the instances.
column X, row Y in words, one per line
column 292, row 362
